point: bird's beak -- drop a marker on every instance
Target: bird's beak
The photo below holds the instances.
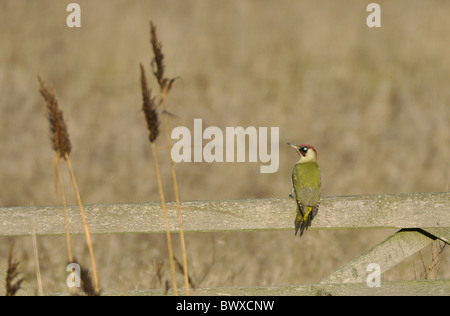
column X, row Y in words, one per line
column 297, row 148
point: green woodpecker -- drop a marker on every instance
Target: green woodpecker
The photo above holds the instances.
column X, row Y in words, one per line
column 305, row 186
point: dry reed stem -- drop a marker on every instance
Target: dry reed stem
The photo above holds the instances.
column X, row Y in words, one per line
column 177, row 199
column 55, row 173
column 166, row 220
column 66, row 220
column 151, row 116
column 60, row 143
column 12, row 273
column 36, row 260
column 165, row 85
column 85, row 224
column 62, row 146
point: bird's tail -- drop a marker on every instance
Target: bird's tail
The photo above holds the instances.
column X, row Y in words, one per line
column 302, row 222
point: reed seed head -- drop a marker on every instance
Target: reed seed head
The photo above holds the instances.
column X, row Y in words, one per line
column 58, row 129
column 157, row 64
column 149, row 108
column 86, row 280
column 11, row 286
column 158, row 61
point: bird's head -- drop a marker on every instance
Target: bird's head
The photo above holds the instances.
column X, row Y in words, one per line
column 306, row 152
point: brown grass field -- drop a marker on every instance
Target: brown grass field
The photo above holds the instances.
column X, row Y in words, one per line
column 374, row 102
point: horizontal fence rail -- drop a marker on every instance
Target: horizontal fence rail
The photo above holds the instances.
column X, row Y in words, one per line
column 420, row 217
column 418, row 210
column 391, row 288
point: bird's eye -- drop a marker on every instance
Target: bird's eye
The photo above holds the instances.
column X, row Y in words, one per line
column 305, row 149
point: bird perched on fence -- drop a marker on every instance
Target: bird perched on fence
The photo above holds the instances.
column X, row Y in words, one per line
column 305, row 186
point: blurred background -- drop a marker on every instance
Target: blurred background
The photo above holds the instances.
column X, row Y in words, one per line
column 374, row 102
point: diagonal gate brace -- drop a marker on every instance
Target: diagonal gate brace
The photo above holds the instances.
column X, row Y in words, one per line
column 388, row 253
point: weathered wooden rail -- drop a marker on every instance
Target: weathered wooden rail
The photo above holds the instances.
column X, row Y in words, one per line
column 420, row 219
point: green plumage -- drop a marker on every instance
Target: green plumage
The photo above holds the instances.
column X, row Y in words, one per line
column 306, row 192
